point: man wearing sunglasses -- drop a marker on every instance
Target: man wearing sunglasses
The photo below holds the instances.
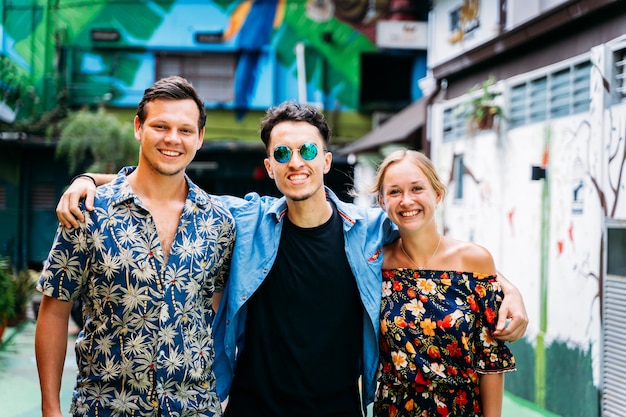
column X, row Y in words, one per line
column 297, row 328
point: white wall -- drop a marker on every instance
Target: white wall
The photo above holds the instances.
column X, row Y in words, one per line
column 502, row 208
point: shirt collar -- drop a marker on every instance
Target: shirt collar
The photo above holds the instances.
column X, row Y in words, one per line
column 348, row 211
column 123, row 192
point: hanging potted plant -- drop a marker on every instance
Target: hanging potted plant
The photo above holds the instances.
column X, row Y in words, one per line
column 98, row 137
column 482, row 110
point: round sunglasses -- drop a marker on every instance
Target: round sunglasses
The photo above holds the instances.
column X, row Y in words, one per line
column 308, row 152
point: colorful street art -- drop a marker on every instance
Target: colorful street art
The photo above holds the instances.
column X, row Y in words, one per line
column 105, row 51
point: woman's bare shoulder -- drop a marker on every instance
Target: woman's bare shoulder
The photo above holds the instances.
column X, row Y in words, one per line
column 391, row 255
column 473, row 257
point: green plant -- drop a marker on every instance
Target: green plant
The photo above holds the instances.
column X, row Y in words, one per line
column 7, row 299
column 482, row 108
column 98, row 137
column 23, row 284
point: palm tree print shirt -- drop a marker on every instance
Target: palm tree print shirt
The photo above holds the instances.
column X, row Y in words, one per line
column 146, row 348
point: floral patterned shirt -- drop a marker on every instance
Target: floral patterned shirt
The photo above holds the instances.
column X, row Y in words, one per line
column 435, row 338
column 146, row 348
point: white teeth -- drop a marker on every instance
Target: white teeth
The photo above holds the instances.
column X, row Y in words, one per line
column 297, row 177
column 409, row 213
column 170, row 153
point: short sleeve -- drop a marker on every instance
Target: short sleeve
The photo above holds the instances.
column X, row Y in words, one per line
column 222, row 277
column 65, row 267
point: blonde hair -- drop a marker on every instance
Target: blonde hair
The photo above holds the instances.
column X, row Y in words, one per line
column 420, row 160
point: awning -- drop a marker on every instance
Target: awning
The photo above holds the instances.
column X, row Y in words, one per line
column 397, row 129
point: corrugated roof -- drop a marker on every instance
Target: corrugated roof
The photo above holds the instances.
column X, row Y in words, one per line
column 396, row 129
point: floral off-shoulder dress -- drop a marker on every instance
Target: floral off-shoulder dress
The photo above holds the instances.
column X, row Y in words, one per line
column 435, row 339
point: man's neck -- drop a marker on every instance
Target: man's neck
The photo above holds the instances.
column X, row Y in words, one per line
column 158, row 188
column 311, row 212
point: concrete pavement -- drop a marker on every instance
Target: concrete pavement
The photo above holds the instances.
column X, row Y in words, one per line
column 19, row 383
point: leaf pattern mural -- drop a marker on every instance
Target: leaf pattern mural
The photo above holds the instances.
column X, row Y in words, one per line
column 342, row 54
column 50, row 41
column 137, row 20
column 19, row 22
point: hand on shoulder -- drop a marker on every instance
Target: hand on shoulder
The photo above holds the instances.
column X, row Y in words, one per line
column 68, row 210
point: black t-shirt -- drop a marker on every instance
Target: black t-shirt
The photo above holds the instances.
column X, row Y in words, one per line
column 304, row 330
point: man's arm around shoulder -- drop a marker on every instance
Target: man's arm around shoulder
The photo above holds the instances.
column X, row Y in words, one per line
column 83, row 186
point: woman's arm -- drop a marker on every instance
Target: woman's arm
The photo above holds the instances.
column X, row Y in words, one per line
column 478, row 258
column 491, row 392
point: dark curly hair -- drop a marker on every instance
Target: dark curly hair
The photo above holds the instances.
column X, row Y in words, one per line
column 291, row 111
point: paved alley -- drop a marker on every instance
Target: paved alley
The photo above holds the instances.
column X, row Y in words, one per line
column 19, row 383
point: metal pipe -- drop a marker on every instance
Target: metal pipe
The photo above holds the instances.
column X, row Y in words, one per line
column 301, row 72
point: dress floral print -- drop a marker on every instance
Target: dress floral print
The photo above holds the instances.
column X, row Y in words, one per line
column 146, row 347
column 436, row 337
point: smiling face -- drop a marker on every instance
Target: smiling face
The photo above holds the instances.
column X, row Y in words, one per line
column 298, row 179
column 169, row 136
column 408, row 196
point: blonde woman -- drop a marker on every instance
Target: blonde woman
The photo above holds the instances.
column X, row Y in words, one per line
column 438, row 356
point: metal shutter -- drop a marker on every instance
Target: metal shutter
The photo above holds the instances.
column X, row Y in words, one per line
column 614, row 356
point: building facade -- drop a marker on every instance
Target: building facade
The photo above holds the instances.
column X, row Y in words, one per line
column 524, row 115
column 543, row 187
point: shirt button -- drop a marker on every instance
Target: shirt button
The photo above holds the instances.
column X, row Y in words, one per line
column 244, row 297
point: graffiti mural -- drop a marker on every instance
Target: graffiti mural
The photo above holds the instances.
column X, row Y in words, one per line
column 109, row 51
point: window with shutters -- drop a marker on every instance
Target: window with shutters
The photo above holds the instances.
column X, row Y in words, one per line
column 212, row 74
column 581, row 88
column 619, row 58
column 517, row 105
column 454, row 124
column 560, row 92
column 557, row 92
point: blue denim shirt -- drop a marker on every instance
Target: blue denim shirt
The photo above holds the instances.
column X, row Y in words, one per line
column 259, row 222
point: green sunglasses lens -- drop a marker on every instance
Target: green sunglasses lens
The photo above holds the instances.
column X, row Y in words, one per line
column 308, row 151
column 282, row 154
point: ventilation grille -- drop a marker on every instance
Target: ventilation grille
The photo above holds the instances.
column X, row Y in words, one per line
column 43, row 197
column 3, row 197
column 614, row 331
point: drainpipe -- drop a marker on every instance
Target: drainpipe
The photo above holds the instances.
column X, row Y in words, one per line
column 540, row 354
column 301, row 72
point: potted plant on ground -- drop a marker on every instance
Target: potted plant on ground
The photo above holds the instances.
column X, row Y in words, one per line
column 482, row 110
column 6, row 297
column 24, row 284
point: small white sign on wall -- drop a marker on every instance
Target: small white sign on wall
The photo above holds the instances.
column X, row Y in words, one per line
column 400, row 34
